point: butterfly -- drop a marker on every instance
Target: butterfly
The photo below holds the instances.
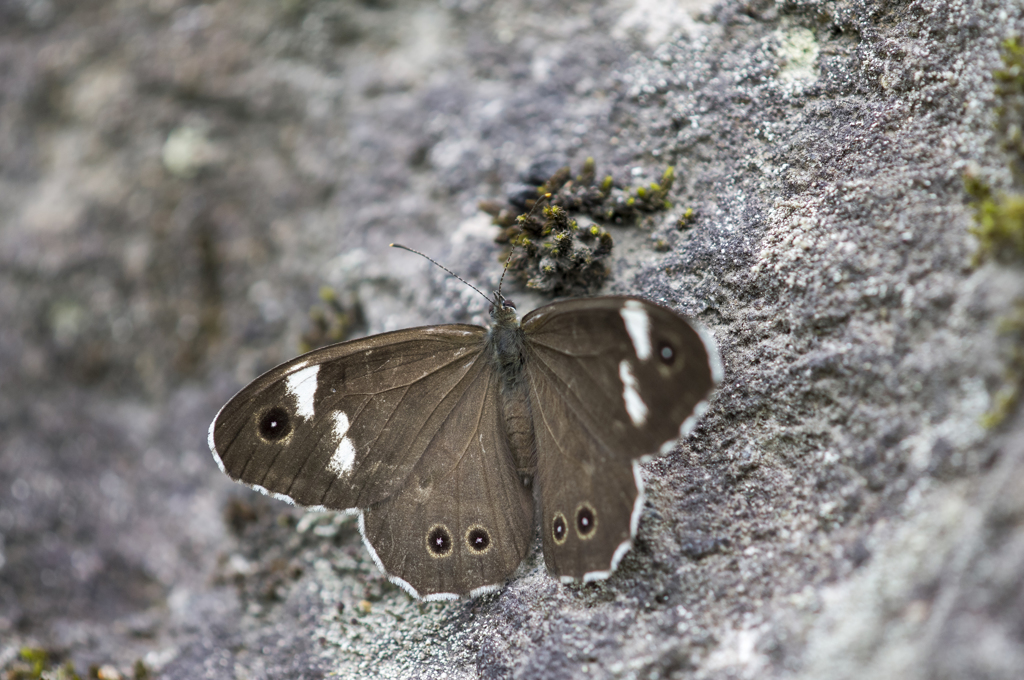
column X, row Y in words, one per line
column 453, row 443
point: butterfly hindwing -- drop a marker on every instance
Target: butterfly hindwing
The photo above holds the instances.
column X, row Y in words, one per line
column 611, row 380
column 464, row 519
column 587, row 491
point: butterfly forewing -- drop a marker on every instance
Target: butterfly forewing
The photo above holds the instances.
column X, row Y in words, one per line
column 343, row 426
column 610, row 380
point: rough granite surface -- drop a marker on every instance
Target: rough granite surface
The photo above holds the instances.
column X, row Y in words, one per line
column 179, row 179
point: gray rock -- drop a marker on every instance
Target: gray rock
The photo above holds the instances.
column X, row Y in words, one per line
column 177, row 181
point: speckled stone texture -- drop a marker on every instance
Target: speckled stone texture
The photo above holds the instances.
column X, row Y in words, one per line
column 178, row 180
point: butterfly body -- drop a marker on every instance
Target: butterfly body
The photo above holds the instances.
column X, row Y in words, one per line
column 506, row 347
column 454, row 442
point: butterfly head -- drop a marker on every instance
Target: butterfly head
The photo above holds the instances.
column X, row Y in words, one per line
column 503, row 311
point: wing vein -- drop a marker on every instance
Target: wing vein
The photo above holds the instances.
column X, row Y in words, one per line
column 412, row 382
column 387, row 423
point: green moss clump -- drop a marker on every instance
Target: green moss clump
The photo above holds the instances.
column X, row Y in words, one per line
column 556, row 256
column 999, row 215
column 999, row 218
column 999, row 222
column 553, row 253
column 686, row 219
column 655, row 197
column 35, row 660
column 1010, row 108
column 1008, row 396
column 35, row 663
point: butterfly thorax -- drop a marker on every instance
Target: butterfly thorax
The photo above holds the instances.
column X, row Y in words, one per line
column 506, row 348
column 506, row 343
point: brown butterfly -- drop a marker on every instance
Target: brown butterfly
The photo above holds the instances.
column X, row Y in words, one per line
column 453, row 442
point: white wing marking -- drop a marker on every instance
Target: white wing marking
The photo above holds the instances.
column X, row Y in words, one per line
column 345, row 455
column 638, row 325
column 635, row 406
column 302, row 386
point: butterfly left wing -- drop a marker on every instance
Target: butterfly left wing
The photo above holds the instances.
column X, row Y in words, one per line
column 406, row 428
column 611, row 380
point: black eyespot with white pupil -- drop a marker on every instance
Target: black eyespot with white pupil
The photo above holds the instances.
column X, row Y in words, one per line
column 275, row 424
column 666, row 353
column 585, row 521
column 439, row 541
column 478, row 539
column 559, row 528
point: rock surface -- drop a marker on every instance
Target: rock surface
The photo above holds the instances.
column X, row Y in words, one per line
column 177, row 181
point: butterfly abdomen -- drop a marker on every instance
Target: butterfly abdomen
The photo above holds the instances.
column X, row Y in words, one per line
column 518, row 418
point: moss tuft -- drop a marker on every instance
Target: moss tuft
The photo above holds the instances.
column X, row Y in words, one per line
column 1007, row 398
column 1009, row 90
column 999, row 222
column 999, row 218
column 34, row 663
column 999, row 215
column 686, row 219
column 554, row 254
column 561, row 258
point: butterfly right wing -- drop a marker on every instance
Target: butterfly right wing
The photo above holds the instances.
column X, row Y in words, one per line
column 612, row 380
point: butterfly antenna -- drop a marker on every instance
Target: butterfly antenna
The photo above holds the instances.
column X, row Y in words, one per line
column 432, row 260
column 509, row 258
